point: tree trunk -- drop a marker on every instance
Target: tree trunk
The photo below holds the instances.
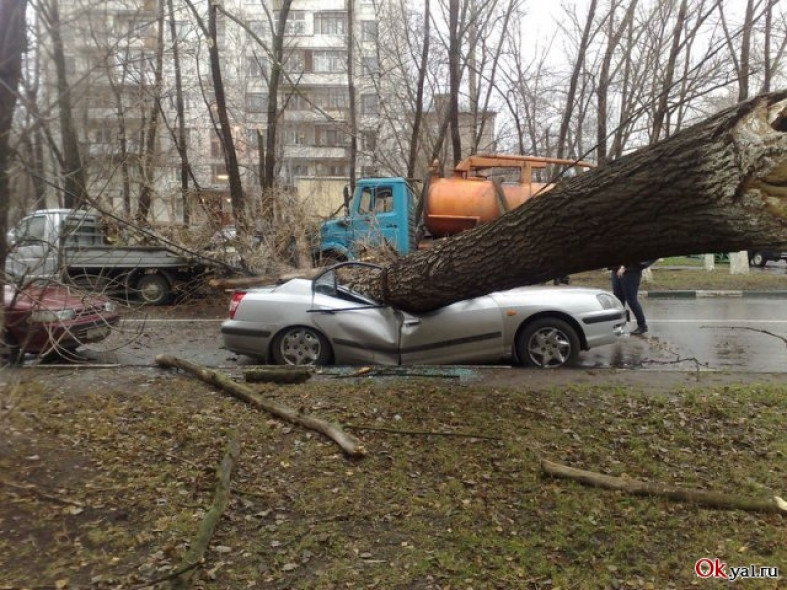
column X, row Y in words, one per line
column 419, row 96
column 151, row 136
column 180, row 142
column 351, row 92
column 268, row 178
column 713, row 187
column 454, row 55
column 230, row 156
column 12, row 44
column 75, row 183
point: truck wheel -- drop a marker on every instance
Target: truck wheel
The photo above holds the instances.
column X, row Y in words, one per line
column 757, row 259
column 154, row 289
column 548, row 343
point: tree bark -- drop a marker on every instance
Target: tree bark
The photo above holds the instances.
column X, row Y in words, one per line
column 12, row 44
column 230, row 156
column 713, row 187
column 347, row 442
column 641, row 488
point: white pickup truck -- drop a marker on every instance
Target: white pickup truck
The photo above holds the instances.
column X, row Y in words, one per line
column 73, row 245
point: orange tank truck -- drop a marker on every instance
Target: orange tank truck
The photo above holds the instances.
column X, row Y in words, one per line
column 473, row 194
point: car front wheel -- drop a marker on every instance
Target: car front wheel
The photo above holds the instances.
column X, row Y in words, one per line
column 548, row 343
column 301, row 346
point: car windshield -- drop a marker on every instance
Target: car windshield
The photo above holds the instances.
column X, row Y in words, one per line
column 337, row 282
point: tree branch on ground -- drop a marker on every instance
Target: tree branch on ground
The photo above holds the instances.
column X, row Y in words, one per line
column 641, row 488
column 348, row 443
column 196, row 552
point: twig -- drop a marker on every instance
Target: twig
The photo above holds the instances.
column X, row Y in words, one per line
column 421, row 432
column 760, row 330
column 173, row 574
column 34, row 490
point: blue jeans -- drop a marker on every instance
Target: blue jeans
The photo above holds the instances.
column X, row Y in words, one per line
column 625, row 288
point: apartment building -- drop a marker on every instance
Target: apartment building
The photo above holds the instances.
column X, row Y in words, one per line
column 111, row 56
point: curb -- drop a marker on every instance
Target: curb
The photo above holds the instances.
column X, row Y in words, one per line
column 698, row 294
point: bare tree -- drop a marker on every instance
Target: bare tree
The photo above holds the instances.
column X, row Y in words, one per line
column 145, row 195
column 351, row 90
column 569, row 109
column 75, row 177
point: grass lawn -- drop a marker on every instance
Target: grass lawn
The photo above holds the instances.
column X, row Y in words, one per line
column 676, row 274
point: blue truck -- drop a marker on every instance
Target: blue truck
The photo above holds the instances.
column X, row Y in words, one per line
column 387, row 211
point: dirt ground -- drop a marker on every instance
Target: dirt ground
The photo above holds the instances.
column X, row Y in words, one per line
column 107, row 474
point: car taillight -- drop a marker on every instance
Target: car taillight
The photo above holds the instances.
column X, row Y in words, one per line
column 236, row 297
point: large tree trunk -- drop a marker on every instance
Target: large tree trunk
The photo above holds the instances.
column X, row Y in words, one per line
column 12, row 44
column 714, row 187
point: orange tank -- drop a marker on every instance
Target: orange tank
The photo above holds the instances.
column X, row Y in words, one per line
column 470, row 197
column 457, row 204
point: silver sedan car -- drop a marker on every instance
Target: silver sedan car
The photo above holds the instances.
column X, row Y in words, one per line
column 323, row 321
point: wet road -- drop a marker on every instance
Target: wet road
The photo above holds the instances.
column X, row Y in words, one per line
column 719, row 333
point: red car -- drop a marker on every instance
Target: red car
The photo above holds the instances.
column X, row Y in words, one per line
column 52, row 320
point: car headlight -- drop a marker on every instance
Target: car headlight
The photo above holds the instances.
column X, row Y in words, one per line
column 109, row 306
column 51, row 316
column 608, row 301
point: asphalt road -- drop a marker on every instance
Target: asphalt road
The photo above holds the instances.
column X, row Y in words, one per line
column 717, row 334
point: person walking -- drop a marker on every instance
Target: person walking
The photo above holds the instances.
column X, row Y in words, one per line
column 625, row 285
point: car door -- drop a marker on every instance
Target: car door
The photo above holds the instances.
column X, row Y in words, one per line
column 376, row 218
column 360, row 330
column 466, row 331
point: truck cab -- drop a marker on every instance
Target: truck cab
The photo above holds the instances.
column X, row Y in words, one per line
column 36, row 242
column 381, row 211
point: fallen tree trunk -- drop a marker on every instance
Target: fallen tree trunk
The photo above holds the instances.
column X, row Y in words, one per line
column 640, row 488
column 347, row 442
column 718, row 186
column 220, row 499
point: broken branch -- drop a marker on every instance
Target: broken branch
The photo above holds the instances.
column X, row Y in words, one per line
column 641, row 488
column 348, row 443
column 220, row 500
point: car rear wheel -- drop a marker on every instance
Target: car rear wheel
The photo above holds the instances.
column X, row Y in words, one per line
column 301, row 346
column 548, row 343
column 757, row 259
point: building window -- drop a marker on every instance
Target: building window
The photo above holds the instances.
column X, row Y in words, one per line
column 256, row 66
column 369, row 31
column 256, row 102
column 293, row 62
column 104, row 135
column 297, row 101
column 259, row 28
column 330, row 23
column 294, row 136
column 219, row 173
column 330, row 136
column 369, row 141
column 370, row 65
column 296, row 22
column 328, row 62
column 332, row 98
column 369, row 104
column 300, row 170
column 216, row 148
